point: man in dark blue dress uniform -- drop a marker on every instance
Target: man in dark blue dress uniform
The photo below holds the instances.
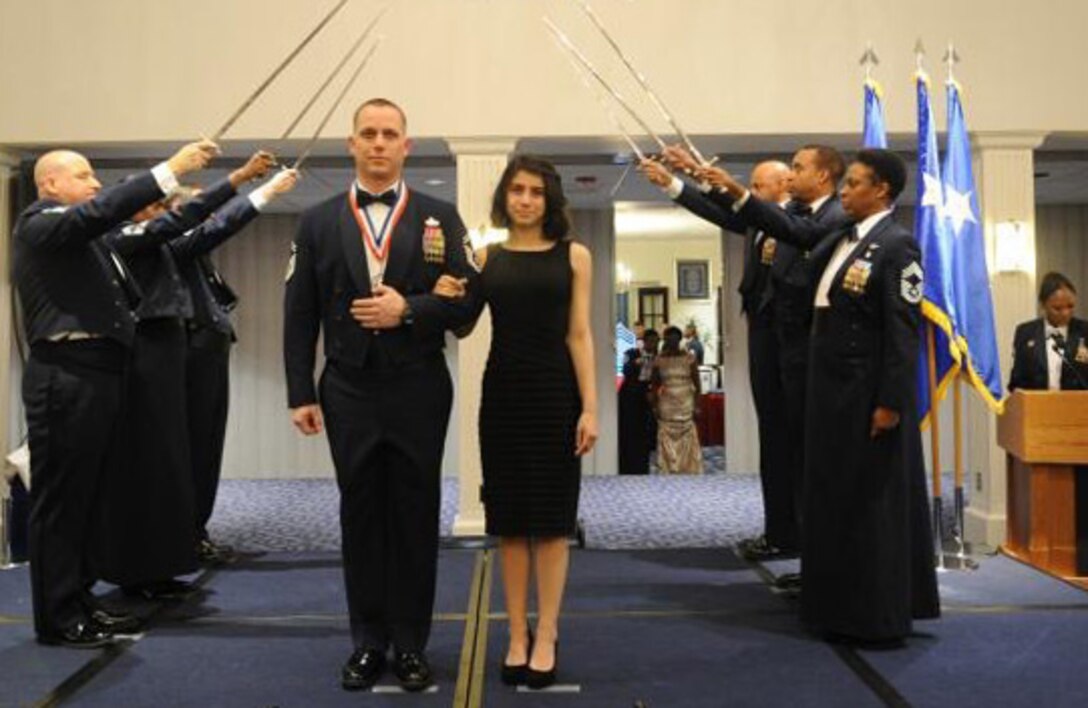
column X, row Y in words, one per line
column 210, row 333
column 77, row 299
column 362, row 269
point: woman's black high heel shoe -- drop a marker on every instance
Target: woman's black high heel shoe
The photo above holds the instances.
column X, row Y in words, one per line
column 537, row 680
column 517, row 675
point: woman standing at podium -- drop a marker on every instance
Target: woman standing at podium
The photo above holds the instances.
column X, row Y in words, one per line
column 1051, row 352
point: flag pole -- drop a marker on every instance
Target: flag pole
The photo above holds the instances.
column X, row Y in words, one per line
column 935, row 446
column 962, row 559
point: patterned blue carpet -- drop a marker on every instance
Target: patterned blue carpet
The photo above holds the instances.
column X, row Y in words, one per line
column 653, row 511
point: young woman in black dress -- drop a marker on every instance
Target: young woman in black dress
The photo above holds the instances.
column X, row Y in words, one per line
column 538, row 414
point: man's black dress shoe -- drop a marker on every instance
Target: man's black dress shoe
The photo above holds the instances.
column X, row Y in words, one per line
column 760, row 549
column 215, row 554
column 163, row 591
column 364, row 668
column 412, row 670
column 788, row 581
column 82, row 635
column 537, row 680
column 116, row 622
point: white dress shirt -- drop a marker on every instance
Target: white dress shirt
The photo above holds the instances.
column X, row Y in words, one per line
column 378, row 213
column 1053, row 358
column 842, row 252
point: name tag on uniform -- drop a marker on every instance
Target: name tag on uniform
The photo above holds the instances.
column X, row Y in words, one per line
column 434, row 241
column 857, row 275
column 766, row 254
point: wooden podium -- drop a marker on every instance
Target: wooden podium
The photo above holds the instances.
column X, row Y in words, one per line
column 1045, row 437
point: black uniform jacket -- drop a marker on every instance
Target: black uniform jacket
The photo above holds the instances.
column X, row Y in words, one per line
column 145, row 251
column 796, row 234
column 212, row 298
column 328, row 270
column 68, row 280
column 1029, row 364
column 866, row 498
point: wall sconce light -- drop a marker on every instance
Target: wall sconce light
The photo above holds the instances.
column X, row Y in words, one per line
column 623, row 277
column 484, row 236
column 1012, row 247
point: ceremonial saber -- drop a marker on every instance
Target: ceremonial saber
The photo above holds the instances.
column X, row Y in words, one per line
column 276, row 72
column 643, row 83
column 350, row 53
column 607, row 109
column 332, row 109
column 576, row 53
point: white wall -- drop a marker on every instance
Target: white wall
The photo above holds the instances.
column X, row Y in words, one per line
column 1061, row 242
column 133, row 70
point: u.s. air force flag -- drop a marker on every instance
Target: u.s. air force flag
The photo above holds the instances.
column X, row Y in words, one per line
column 970, row 286
column 934, row 241
column 873, row 133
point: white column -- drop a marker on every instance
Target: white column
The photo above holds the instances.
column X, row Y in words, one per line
column 480, row 162
column 741, row 427
column 9, row 165
column 596, row 229
column 1005, row 179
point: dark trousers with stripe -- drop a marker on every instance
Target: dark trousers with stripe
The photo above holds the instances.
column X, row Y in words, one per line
column 73, row 393
column 775, row 445
column 386, row 429
column 207, row 393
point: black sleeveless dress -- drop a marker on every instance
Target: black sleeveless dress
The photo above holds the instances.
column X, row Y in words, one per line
column 530, row 407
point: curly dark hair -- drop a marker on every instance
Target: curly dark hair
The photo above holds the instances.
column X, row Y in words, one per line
column 556, row 221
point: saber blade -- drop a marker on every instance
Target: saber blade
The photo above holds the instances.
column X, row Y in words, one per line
column 276, row 72
column 604, row 104
column 641, row 81
column 336, row 104
column 335, row 72
column 588, row 66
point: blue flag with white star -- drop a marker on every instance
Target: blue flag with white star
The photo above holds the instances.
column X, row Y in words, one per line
column 935, row 243
column 874, row 135
column 973, row 303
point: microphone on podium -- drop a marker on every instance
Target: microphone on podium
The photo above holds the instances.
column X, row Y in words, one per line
column 1058, row 344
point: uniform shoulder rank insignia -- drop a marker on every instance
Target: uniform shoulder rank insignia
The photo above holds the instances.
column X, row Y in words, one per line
column 470, row 253
column 766, row 254
column 910, row 283
column 291, row 263
column 55, row 210
column 1082, row 352
column 434, row 241
column 133, row 229
column 856, row 279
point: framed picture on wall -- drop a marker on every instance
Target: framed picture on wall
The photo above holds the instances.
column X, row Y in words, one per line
column 693, row 280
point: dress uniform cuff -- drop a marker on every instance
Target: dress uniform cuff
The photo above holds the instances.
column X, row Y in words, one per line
column 167, row 180
column 739, row 203
column 675, row 188
column 258, row 199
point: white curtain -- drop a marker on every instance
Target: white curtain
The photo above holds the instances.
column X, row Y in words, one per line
column 261, row 442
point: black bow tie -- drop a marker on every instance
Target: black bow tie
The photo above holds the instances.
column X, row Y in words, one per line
column 365, row 199
column 801, row 209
